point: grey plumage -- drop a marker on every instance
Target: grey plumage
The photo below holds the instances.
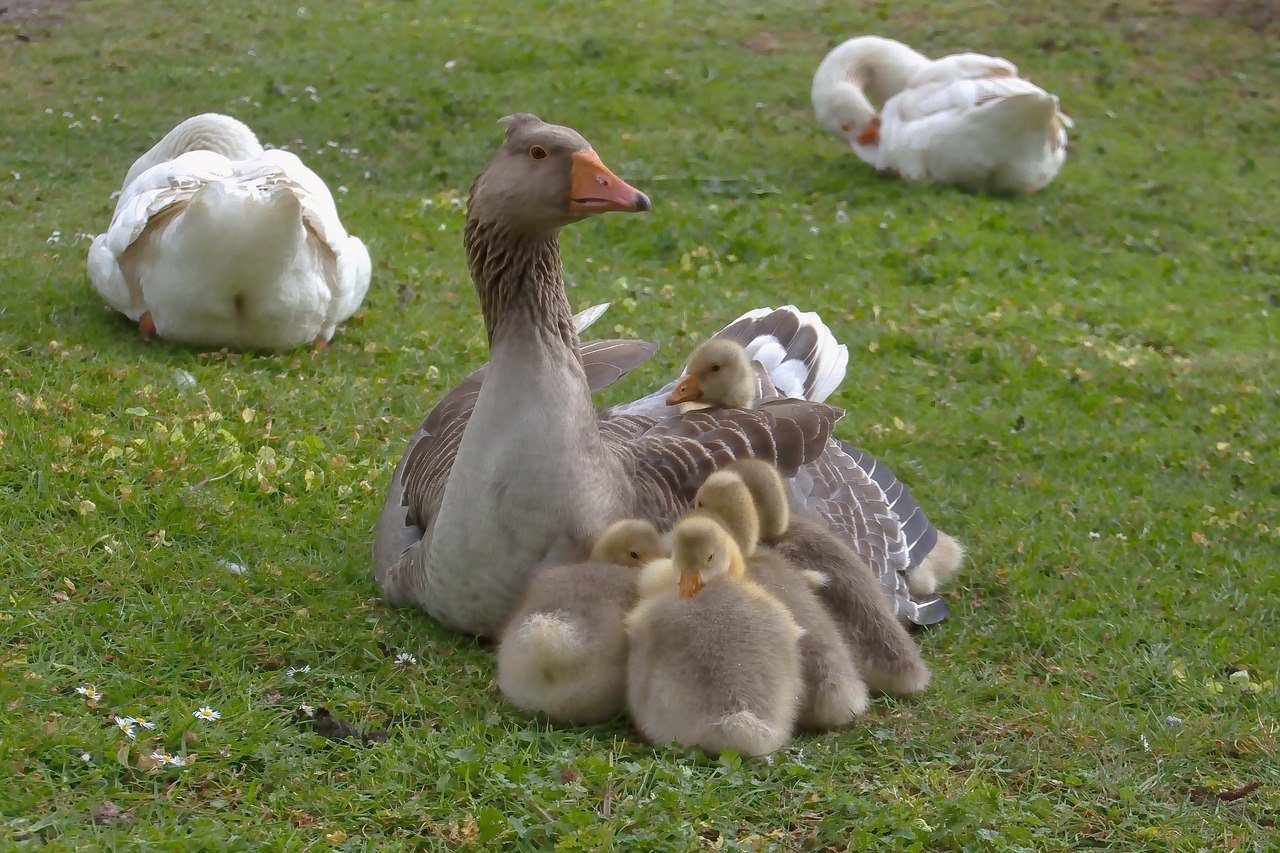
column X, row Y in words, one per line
column 869, row 508
column 417, row 485
column 887, row 657
column 564, row 652
column 718, row 669
column 515, row 469
column 834, row 691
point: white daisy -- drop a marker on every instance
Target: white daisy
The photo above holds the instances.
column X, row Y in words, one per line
column 90, row 693
column 125, row 724
column 142, row 721
column 297, row 670
column 406, row 659
column 307, row 709
column 207, row 713
column 86, row 758
column 162, row 757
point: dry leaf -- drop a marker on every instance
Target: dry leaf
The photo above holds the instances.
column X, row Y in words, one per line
column 107, row 813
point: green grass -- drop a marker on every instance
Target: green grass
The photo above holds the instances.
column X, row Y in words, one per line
column 1082, row 385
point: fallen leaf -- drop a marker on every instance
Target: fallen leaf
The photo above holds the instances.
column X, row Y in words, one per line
column 336, row 728
column 107, row 813
column 1204, row 795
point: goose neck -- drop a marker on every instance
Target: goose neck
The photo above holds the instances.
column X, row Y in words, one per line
column 520, row 284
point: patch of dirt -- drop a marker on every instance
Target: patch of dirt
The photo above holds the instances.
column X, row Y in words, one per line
column 1256, row 13
column 765, row 42
column 33, row 11
column 772, row 41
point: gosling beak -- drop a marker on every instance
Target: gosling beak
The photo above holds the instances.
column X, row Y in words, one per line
column 690, row 584
column 686, row 390
column 594, row 189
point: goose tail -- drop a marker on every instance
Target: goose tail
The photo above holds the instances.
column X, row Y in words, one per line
column 748, row 734
column 797, row 350
column 547, row 642
column 546, row 664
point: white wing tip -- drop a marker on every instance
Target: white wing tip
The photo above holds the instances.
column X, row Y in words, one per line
column 587, row 316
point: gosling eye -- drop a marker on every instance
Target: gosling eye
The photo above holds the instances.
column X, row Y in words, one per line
column 709, row 556
column 715, row 368
column 635, row 555
column 537, row 152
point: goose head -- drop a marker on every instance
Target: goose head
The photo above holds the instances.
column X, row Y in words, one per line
column 719, row 373
column 544, row 177
column 628, row 542
column 702, row 549
column 768, row 493
column 726, row 497
column 856, row 78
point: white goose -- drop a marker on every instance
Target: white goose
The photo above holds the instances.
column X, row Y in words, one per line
column 217, row 242
column 515, row 469
column 965, row 119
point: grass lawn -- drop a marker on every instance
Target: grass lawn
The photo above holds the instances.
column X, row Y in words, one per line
column 1082, row 385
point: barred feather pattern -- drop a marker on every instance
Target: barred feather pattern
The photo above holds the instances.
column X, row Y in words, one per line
column 672, row 458
column 866, row 513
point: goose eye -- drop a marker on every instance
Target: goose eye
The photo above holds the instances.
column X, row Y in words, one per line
column 635, row 555
column 709, row 556
column 537, row 152
column 715, row 368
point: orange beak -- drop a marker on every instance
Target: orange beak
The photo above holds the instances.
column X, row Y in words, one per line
column 871, row 135
column 686, row 390
column 690, row 584
column 594, row 189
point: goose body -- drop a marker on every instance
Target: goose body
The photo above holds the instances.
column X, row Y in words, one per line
column 218, row 242
column 965, row 119
column 564, row 652
column 717, row 667
column 847, row 493
column 515, row 469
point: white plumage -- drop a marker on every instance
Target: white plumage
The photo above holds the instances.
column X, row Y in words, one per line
column 215, row 241
column 965, row 119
